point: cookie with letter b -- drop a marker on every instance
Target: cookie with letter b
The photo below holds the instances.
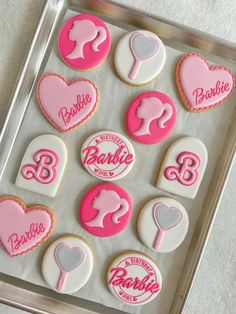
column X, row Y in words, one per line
column 183, row 167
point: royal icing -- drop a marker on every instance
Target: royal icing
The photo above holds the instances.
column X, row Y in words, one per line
column 163, row 224
column 183, row 167
column 210, row 85
column 67, row 264
column 134, row 278
column 84, row 42
column 66, row 104
column 43, row 165
column 151, row 117
column 23, row 228
column 105, row 210
column 107, row 155
column 144, row 55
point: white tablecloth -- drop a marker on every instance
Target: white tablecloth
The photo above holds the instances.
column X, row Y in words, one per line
column 214, row 288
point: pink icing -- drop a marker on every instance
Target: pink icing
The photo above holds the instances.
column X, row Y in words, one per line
column 45, row 169
column 105, row 210
column 187, row 171
column 22, row 229
column 151, row 117
column 66, row 105
column 142, row 48
column 84, row 41
column 208, row 87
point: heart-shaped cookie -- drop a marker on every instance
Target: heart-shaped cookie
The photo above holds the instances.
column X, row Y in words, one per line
column 202, row 86
column 68, row 258
column 66, row 104
column 23, row 228
column 166, row 217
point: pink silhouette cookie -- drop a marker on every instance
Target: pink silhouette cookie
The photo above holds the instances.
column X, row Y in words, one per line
column 23, row 228
column 105, row 210
column 151, row 117
column 84, row 42
column 210, row 86
column 107, row 155
column 66, row 105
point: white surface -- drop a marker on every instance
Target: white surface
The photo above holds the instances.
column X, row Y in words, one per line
column 216, row 280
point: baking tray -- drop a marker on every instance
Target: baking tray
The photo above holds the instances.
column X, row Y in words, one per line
column 36, row 299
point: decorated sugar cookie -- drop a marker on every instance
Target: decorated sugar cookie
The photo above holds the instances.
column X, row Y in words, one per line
column 84, row 42
column 210, row 86
column 139, row 57
column 67, row 264
column 23, row 228
column 134, row 278
column 107, row 155
column 105, row 210
column 66, row 105
column 163, row 224
column 43, row 165
column 151, row 117
column 183, row 167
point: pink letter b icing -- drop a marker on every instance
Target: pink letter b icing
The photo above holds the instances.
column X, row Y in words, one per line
column 187, row 172
column 105, row 210
column 183, row 167
column 45, row 169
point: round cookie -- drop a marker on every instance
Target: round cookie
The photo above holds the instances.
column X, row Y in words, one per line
column 151, row 117
column 134, row 278
column 67, row 264
column 107, row 155
column 163, row 224
column 210, row 86
column 23, row 228
column 66, row 105
column 105, row 210
column 84, row 42
column 139, row 57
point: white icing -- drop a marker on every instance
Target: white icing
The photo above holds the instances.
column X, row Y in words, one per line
column 147, row 228
column 148, row 70
column 190, row 144
column 78, row 277
column 53, row 143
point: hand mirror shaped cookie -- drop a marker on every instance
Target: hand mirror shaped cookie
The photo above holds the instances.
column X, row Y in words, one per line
column 142, row 48
column 68, row 259
column 165, row 219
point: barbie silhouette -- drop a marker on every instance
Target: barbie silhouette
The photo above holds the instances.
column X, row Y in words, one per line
column 83, row 32
column 107, row 202
column 151, row 109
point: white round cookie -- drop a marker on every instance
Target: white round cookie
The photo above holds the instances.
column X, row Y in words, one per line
column 107, row 155
column 139, row 57
column 67, row 264
column 163, row 224
column 134, row 278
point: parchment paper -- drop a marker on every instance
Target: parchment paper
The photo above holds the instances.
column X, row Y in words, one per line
column 115, row 97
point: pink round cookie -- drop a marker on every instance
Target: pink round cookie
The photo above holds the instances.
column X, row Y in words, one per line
column 151, row 117
column 105, row 210
column 84, row 42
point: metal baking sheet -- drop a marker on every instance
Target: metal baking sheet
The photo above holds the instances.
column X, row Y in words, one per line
column 41, row 300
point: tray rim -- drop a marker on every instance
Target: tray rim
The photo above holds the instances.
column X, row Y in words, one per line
column 20, row 297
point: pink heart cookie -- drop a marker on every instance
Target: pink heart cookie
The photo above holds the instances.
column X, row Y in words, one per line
column 202, row 86
column 23, row 228
column 66, row 104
